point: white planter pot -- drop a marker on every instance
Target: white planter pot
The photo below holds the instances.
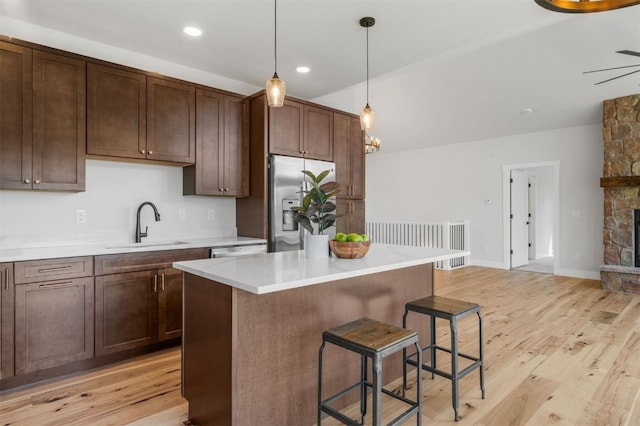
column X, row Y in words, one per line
column 316, row 246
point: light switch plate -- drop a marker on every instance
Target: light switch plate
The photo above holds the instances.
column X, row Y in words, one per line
column 81, row 216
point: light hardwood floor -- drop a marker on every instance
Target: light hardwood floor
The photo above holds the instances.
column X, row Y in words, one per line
column 558, row 350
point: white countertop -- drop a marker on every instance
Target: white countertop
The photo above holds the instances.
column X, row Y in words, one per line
column 267, row 273
column 95, row 249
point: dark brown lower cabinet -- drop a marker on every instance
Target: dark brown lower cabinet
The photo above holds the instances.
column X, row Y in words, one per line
column 137, row 309
column 6, row 320
column 126, row 311
column 170, row 304
column 350, row 216
column 53, row 323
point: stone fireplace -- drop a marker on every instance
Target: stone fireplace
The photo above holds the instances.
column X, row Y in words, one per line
column 621, row 185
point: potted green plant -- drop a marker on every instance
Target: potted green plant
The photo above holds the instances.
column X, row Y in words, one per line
column 317, row 213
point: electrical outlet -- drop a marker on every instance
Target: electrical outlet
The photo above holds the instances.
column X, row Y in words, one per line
column 182, row 215
column 210, row 215
column 81, row 216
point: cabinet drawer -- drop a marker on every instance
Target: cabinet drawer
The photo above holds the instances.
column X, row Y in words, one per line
column 53, row 269
column 132, row 262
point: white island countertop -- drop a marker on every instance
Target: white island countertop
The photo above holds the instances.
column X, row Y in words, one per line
column 271, row 272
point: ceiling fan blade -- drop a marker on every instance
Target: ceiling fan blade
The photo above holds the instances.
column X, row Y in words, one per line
column 629, row 52
column 614, row 78
column 609, row 69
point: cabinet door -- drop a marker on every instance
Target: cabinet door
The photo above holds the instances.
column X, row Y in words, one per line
column 235, row 155
column 350, row 216
column 171, row 120
column 53, row 323
column 6, row 320
column 59, row 122
column 348, row 146
column 126, row 311
column 204, row 178
column 286, row 129
column 15, row 116
column 116, row 112
column 318, row 133
column 170, row 304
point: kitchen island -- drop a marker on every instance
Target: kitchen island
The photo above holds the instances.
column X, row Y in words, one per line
column 253, row 325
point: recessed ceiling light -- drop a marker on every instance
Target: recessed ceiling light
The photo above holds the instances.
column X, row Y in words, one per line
column 303, row 69
column 192, row 31
column 526, row 111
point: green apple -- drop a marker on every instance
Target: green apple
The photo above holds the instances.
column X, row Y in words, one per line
column 364, row 237
column 354, row 238
column 340, row 236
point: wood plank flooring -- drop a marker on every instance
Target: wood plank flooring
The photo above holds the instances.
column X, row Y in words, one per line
column 558, row 350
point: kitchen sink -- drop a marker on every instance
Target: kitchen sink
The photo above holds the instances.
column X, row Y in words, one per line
column 147, row 244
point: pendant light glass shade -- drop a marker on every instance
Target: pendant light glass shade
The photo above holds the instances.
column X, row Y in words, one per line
column 367, row 118
column 276, row 89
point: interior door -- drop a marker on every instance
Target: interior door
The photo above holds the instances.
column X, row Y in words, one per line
column 519, row 218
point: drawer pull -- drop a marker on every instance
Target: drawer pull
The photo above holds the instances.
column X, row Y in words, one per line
column 6, row 279
column 54, row 269
column 155, row 283
column 163, row 282
column 56, row 285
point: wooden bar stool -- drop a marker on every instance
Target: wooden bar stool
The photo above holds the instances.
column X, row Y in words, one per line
column 451, row 310
column 375, row 340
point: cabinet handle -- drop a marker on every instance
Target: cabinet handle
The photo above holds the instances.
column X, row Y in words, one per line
column 37, row 181
column 220, row 189
column 155, row 283
column 226, row 189
column 142, row 151
column 162, row 281
column 56, row 285
column 54, row 269
column 150, row 152
column 6, row 279
column 27, row 180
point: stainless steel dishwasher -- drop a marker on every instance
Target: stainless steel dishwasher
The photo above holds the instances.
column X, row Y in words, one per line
column 232, row 250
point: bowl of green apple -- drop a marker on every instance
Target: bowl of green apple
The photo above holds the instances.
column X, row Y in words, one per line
column 350, row 246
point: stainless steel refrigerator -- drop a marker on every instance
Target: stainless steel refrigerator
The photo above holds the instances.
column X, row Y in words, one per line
column 286, row 183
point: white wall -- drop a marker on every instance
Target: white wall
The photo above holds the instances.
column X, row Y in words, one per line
column 113, row 193
column 451, row 182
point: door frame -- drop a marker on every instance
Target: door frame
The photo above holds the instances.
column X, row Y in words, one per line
column 506, row 210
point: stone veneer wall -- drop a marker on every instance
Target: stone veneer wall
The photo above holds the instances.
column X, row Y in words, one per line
column 621, row 134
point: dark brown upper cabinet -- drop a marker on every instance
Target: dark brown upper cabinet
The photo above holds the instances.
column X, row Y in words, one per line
column 348, row 148
column 42, row 120
column 171, row 121
column 131, row 115
column 301, row 130
column 116, row 112
column 222, row 146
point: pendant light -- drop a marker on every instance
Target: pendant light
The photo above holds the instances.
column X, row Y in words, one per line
column 585, row 6
column 275, row 88
column 367, row 116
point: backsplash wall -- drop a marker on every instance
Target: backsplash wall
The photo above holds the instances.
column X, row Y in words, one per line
column 114, row 190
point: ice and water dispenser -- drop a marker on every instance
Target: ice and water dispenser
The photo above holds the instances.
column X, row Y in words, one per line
column 288, row 223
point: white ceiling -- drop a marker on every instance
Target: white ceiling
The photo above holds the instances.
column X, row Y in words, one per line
column 441, row 71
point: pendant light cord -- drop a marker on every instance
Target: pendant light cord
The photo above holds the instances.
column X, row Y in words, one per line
column 367, row 65
column 275, row 36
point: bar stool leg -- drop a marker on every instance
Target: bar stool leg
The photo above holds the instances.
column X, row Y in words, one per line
column 419, row 384
column 454, row 366
column 481, row 354
column 432, row 322
column 363, row 387
column 377, row 390
column 320, row 383
column 404, row 357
